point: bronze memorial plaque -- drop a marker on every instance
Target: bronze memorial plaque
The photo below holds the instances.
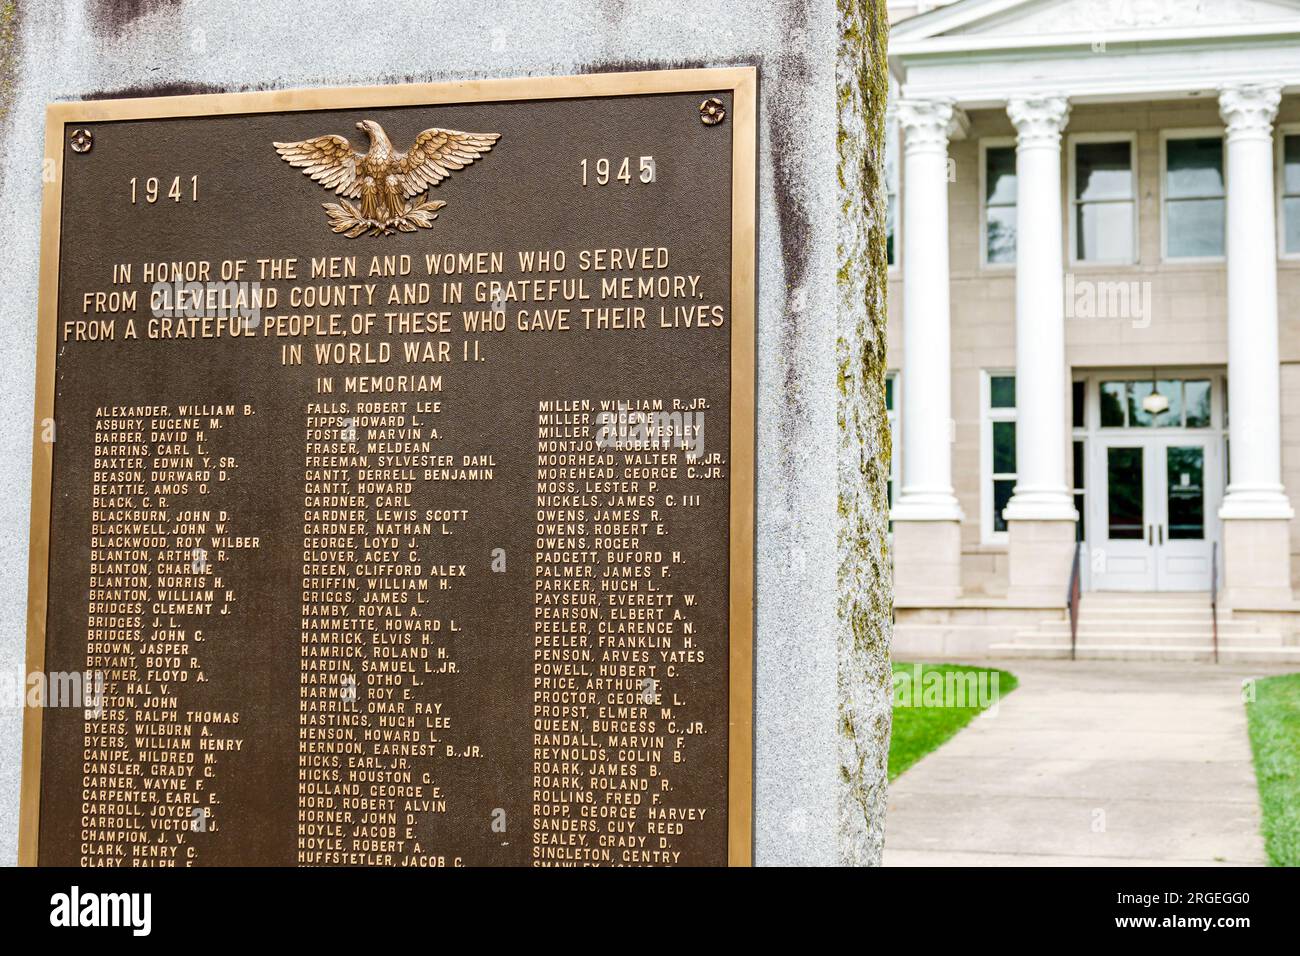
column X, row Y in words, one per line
column 393, row 477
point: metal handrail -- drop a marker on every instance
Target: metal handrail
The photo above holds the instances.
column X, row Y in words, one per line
column 1072, row 599
column 1214, row 596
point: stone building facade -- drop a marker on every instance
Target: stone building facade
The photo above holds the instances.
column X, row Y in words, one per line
column 1094, row 309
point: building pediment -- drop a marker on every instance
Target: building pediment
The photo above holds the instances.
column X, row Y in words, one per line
column 1021, row 21
column 981, row 52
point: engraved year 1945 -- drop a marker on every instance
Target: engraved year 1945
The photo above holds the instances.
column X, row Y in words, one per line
column 605, row 171
column 153, row 188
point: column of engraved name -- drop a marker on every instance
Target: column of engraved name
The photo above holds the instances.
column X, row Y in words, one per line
column 163, row 535
column 378, row 633
column 614, row 635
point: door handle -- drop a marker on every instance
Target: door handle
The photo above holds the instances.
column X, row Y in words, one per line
column 1150, row 535
column 1162, row 534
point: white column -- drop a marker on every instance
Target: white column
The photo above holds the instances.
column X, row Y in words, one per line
column 1040, row 516
column 1042, row 419
column 927, row 517
column 1255, row 425
column 926, row 492
column 1255, row 513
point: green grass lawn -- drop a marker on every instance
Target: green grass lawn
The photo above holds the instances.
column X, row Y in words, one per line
column 935, row 715
column 1274, row 719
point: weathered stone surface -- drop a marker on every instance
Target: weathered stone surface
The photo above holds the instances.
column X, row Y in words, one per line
column 865, row 585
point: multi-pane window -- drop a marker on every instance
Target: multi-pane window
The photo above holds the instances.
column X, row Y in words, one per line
column 1165, row 403
column 1194, row 197
column 1103, row 202
column 1291, row 194
column 1000, row 450
column 895, row 440
column 891, row 192
column 1000, row 205
column 1078, row 399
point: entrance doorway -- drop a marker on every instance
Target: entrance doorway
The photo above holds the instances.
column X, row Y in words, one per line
column 1157, row 514
column 1155, row 478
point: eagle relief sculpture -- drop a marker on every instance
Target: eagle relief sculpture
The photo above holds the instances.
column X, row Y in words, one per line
column 392, row 186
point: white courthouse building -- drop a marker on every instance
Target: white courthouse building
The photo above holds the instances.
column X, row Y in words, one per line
column 1095, row 324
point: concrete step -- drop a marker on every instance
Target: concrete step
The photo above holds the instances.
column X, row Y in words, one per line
column 1155, row 626
column 1138, row 636
column 1180, row 640
column 1145, row 597
column 1145, row 626
column 1146, row 652
column 1153, row 612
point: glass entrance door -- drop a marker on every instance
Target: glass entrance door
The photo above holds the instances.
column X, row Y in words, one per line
column 1183, row 538
column 1155, row 513
column 1125, row 560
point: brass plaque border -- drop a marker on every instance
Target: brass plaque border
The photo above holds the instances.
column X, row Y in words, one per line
column 741, row 81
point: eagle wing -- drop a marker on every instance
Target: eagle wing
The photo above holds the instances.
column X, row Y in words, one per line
column 435, row 154
column 329, row 160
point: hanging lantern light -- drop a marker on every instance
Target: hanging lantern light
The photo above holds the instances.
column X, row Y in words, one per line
column 1155, row 403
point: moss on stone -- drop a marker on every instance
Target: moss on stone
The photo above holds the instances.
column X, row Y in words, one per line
column 865, row 581
column 8, row 52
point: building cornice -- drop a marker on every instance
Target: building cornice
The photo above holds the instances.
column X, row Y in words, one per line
column 1110, row 38
column 1087, row 77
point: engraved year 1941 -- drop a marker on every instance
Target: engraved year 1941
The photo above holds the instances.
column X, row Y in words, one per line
column 153, row 188
column 605, row 171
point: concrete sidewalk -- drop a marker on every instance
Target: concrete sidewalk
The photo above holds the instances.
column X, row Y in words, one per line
column 1089, row 763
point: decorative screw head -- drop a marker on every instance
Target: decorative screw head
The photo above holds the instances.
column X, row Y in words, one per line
column 712, row 112
column 82, row 140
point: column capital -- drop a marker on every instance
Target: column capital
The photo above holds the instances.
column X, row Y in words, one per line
column 1039, row 120
column 926, row 124
column 1248, row 109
